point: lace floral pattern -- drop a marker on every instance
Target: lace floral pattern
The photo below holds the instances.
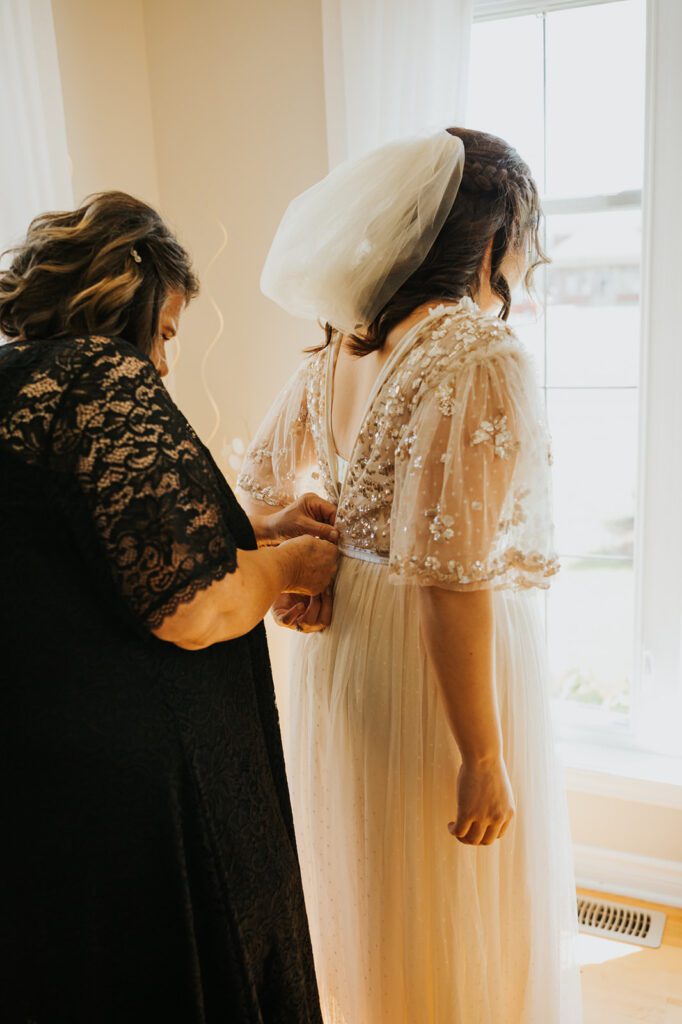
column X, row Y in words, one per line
column 101, row 414
column 448, row 480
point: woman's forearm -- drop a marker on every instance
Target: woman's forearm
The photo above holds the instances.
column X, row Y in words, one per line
column 457, row 628
column 232, row 606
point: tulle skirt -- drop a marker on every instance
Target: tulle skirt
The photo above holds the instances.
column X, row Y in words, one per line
column 410, row 926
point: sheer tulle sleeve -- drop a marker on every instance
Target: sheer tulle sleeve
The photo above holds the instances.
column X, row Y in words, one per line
column 472, row 507
column 282, row 449
column 152, row 499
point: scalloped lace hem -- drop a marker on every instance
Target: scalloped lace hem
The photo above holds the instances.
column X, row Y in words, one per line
column 187, row 593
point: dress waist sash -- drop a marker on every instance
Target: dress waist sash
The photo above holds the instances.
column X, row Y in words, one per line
column 363, row 554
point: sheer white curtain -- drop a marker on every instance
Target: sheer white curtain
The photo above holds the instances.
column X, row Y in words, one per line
column 34, row 169
column 392, row 67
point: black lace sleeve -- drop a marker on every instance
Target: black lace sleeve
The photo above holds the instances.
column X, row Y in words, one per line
column 151, row 493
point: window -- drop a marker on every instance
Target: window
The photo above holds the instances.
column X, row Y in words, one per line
column 565, row 84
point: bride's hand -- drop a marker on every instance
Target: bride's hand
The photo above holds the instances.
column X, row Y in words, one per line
column 485, row 803
column 305, row 614
column 309, row 514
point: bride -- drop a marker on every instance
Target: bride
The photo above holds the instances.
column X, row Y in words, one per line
column 430, row 819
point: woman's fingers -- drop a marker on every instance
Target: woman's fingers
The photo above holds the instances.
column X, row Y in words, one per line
column 326, row 606
column 290, row 617
column 318, row 613
column 311, row 621
column 476, row 833
column 325, row 531
column 312, row 612
column 504, row 827
column 287, row 609
column 319, row 508
column 308, row 515
column 460, row 828
column 490, row 835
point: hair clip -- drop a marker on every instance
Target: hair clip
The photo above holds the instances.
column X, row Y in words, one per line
column 136, row 256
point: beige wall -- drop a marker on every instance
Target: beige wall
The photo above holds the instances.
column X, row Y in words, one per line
column 239, row 128
column 214, row 110
column 103, row 64
column 626, row 825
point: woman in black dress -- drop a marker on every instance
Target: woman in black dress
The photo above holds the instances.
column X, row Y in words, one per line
column 148, row 864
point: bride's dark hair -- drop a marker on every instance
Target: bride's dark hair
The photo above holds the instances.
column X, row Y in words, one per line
column 497, row 199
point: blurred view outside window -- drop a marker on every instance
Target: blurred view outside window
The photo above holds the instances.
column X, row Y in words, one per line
column 571, row 100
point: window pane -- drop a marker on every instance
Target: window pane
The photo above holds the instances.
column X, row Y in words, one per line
column 594, row 436
column 511, row 107
column 572, row 103
column 528, row 321
column 595, row 99
column 593, row 314
column 590, row 621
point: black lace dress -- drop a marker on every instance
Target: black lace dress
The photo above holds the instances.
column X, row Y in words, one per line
column 148, row 868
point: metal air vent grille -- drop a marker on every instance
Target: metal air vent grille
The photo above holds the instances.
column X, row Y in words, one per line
column 620, row 921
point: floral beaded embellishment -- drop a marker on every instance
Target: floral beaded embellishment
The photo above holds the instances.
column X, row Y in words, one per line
column 446, row 400
column 260, row 456
column 496, row 433
column 441, row 527
column 518, row 514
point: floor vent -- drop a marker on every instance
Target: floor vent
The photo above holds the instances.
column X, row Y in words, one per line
column 621, row 921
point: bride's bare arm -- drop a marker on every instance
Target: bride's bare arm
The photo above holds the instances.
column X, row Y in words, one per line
column 458, row 631
column 457, row 628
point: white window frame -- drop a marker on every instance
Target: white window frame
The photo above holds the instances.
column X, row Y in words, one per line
column 646, row 754
column 494, row 10
column 658, row 694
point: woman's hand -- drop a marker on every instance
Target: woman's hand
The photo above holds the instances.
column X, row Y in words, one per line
column 485, row 802
column 309, row 565
column 305, row 614
column 309, row 514
column 233, row 605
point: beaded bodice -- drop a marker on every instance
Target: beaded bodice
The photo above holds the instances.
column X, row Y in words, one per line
column 448, row 479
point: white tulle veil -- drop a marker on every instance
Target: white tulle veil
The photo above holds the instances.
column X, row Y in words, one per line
column 347, row 244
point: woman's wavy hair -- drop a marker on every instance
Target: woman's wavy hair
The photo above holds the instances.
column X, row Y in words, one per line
column 105, row 268
column 497, row 199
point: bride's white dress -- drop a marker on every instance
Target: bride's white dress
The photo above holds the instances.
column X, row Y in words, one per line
column 448, row 485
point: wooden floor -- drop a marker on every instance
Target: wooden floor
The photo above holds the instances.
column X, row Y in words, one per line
column 623, row 983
